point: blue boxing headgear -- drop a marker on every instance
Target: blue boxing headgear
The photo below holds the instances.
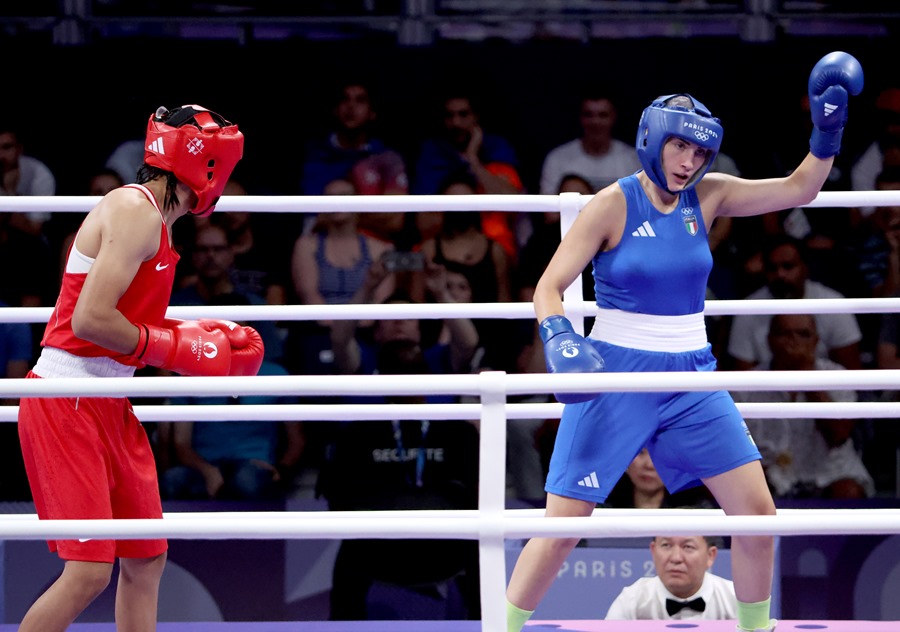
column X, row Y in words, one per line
column 661, row 120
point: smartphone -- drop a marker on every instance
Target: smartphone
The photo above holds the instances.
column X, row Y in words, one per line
column 396, row 261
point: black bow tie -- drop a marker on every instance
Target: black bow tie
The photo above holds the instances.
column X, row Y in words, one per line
column 674, row 607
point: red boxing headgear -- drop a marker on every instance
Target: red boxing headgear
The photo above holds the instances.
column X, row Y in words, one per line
column 200, row 147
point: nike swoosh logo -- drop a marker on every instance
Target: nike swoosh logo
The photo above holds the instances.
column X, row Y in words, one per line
column 159, row 267
column 84, row 539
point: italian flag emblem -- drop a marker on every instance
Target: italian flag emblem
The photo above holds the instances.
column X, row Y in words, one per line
column 690, row 225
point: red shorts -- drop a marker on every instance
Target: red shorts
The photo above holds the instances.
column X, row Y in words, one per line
column 89, row 458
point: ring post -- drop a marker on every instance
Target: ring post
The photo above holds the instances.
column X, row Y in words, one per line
column 492, row 501
column 573, row 298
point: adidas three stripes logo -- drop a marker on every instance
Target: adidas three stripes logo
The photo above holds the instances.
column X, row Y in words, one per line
column 157, row 147
column 644, row 230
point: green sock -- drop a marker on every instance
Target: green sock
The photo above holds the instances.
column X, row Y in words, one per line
column 516, row 617
column 753, row 616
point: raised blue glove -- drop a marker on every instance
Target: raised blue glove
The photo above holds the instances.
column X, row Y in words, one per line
column 831, row 79
column 567, row 352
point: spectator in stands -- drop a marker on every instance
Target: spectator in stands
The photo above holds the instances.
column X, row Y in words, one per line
column 877, row 242
column 331, row 261
column 103, row 181
column 404, row 464
column 805, row 458
column 353, row 349
column 232, row 460
column 543, row 242
column 458, row 290
column 126, row 158
column 261, row 244
column 888, row 355
column 822, row 231
column 329, row 264
column 462, row 242
column 385, row 174
column 787, row 278
column 462, row 144
column 22, row 174
column 884, row 151
column 350, row 140
column 595, row 155
column 684, row 586
column 463, row 247
column 642, row 488
column 874, row 248
column 463, row 150
column 212, row 256
column 353, row 354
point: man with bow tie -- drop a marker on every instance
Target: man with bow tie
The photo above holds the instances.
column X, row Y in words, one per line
column 683, row 588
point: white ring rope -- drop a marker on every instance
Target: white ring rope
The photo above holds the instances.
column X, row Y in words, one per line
column 468, row 525
column 512, row 384
column 475, row 310
column 599, row 512
column 401, row 203
column 471, row 412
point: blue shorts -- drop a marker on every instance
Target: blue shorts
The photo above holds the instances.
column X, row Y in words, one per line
column 690, row 435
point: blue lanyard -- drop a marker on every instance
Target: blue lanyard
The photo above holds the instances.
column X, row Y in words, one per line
column 420, row 452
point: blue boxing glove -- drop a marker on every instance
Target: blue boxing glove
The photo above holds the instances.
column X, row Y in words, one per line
column 831, row 79
column 567, row 352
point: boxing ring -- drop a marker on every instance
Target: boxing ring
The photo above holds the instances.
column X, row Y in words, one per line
column 491, row 524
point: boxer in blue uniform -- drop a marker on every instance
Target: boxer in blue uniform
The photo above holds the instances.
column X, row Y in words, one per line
column 647, row 238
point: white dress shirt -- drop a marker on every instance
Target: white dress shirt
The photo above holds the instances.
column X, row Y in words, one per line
column 646, row 599
column 570, row 158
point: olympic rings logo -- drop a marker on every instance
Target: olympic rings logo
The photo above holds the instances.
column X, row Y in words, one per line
column 203, row 347
column 703, row 136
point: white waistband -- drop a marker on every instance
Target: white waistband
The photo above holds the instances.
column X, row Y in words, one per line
column 55, row 362
column 650, row 332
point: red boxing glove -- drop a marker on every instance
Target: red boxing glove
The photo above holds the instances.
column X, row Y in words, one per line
column 247, row 348
column 187, row 347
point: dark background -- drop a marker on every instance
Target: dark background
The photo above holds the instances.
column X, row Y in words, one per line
column 73, row 105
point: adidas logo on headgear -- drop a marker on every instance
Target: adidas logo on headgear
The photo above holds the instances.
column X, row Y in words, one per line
column 157, row 147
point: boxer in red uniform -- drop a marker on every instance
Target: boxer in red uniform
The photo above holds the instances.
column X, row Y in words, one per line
column 89, row 457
